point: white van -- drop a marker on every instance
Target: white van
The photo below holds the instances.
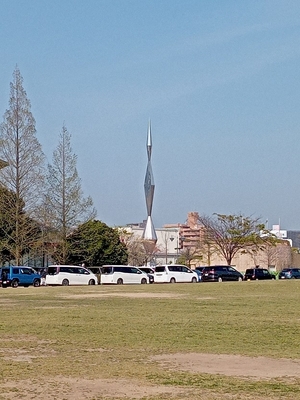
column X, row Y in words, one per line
column 174, row 273
column 119, row 274
column 66, row 275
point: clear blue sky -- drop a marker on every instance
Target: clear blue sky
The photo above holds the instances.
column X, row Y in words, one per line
column 218, row 78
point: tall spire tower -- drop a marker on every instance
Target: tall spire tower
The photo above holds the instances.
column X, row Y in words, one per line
column 149, row 234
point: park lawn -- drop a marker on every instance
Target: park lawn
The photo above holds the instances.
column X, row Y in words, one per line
column 105, row 332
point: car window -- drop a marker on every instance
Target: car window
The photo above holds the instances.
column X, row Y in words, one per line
column 52, row 270
column 25, row 271
column 231, row 269
column 106, row 270
column 265, row 272
column 160, row 269
column 220, row 268
column 69, row 270
column 82, row 271
column 119, row 269
column 15, row 270
column 185, row 269
column 134, row 270
column 147, row 270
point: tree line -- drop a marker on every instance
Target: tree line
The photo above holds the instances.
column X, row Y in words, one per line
column 44, row 214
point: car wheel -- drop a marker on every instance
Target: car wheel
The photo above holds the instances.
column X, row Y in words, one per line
column 144, row 281
column 36, row 283
column 91, row 282
column 65, row 282
column 194, row 280
column 172, row 280
column 220, row 279
column 120, row 281
column 14, row 283
column 240, row 279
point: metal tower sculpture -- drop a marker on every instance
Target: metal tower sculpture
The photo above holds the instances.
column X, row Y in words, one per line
column 149, row 234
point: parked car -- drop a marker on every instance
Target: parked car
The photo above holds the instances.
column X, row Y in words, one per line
column 199, row 271
column 174, row 273
column 149, row 271
column 19, row 276
column 220, row 273
column 258, row 274
column 289, row 273
column 66, row 275
column 119, row 274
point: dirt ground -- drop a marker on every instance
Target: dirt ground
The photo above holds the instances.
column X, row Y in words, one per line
column 231, row 365
column 77, row 389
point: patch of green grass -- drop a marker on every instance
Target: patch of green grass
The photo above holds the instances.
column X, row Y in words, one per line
column 223, row 384
column 103, row 332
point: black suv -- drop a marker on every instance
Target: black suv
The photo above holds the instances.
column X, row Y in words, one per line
column 254, row 274
column 219, row 273
column 289, row 273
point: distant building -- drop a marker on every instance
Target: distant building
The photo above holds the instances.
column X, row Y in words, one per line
column 167, row 248
column 294, row 236
column 172, row 239
column 190, row 232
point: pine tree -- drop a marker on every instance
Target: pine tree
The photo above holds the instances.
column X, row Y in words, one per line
column 64, row 200
column 23, row 176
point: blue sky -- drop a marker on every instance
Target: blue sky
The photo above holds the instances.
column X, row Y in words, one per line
column 219, row 80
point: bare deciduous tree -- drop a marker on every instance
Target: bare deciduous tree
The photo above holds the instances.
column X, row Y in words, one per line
column 24, row 174
column 136, row 251
column 190, row 255
column 229, row 234
column 64, row 199
column 279, row 255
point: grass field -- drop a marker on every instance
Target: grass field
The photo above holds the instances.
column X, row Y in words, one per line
column 98, row 342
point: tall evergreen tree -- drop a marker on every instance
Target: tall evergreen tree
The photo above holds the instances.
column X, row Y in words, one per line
column 23, row 176
column 64, row 200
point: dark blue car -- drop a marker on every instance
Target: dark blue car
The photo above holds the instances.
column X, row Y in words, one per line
column 289, row 273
